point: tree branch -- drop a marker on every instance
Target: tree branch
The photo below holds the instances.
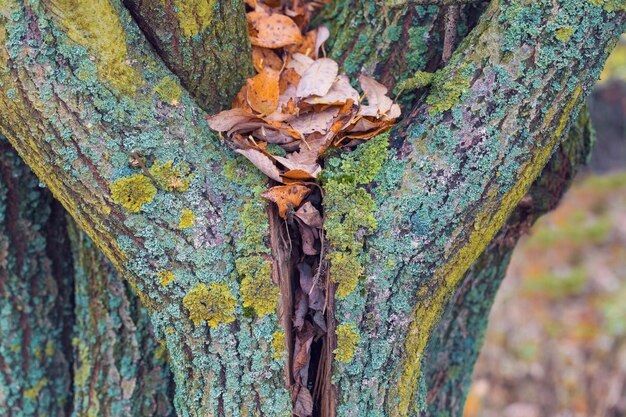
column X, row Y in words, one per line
column 82, row 92
column 468, row 154
column 205, row 43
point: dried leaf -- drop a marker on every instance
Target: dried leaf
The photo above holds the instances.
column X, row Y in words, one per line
column 314, row 121
column 376, row 95
column 263, row 92
column 306, row 276
column 296, row 175
column 265, row 59
column 300, row 63
column 340, row 92
column 226, row 120
column 322, row 36
column 262, row 162
column 287, row 197
column 307, row 237
column 310, row 215
column 272, row 31
column 318, row 78
column 301, row 309
column 304, row 403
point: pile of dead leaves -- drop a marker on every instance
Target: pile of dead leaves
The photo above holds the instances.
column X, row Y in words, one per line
column 283, row 120
column 298, row 105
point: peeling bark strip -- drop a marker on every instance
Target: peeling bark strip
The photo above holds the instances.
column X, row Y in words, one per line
column 188, row 236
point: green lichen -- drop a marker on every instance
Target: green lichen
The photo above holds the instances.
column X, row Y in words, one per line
column 166, row 277
column 214, row 303
column 169, row 90
column 170, row 177
column 347, row 341
column 419, row 80
column 133, row 192
column 258, row 291
column 349, row 209
column 254, row 227
column 565, row 33
column 278, row 345
column 187, row 219
column 345, row 271
column 610, row 5
column 448, row 91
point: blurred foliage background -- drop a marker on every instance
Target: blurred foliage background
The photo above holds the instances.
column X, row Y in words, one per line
column 556, row 341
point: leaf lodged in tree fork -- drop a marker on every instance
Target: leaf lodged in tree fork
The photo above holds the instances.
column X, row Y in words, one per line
column 283, row 120
column 298, row 105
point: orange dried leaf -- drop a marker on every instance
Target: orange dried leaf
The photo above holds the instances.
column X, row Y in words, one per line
column 272, row 31
column 263, row 92
column 265, row 59
column 287, row 197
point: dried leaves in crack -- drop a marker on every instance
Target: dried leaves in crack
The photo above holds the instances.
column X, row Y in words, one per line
column 284, row 119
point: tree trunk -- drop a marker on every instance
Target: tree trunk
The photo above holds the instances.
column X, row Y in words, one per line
column 101, row 119
column 74, row 339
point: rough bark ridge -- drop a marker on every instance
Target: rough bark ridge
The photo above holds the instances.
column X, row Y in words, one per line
column 81, row 96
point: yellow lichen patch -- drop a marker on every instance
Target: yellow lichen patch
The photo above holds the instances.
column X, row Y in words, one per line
column 95, row 24
column 214, row 303
column 165, row 277
column 169, row 90
column 565, row 33
column 49, row 348
column 170, row 177
column 278, row 345
column 187, row 219
column 432, row 303
column 133, row 192
column 345, row 270
column 257, row 288
column 347, row 340
column 33, row 392
column 194, row 15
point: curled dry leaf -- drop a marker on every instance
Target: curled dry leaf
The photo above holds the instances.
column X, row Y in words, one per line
column 310, row 215
column 318, row 78
column 287, row 197
column 272, row 30
column 376, row 96
column 262, row 162
column 266, row 59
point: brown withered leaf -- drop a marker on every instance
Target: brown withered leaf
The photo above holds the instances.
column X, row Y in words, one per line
column 303, row 406
column 307, row 236
column 340, row 92
column 318, row 78
column 376, row 96
column 287, row 197
column 266, row 59
column 263, row 92
column 322, row 36
column 227, row 119
column 262, row 162
column 314, row 121
column 300, row 63
column 306, row 276
column 272, row 30
column 310, row 215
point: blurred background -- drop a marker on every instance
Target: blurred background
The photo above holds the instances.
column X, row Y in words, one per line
column 556, row 341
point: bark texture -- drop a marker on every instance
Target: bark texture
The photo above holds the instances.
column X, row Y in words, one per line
column 74, row 340
column 82, row 101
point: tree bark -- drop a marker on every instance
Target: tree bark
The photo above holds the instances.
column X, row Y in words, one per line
column 74, row 339
column 82, row 96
